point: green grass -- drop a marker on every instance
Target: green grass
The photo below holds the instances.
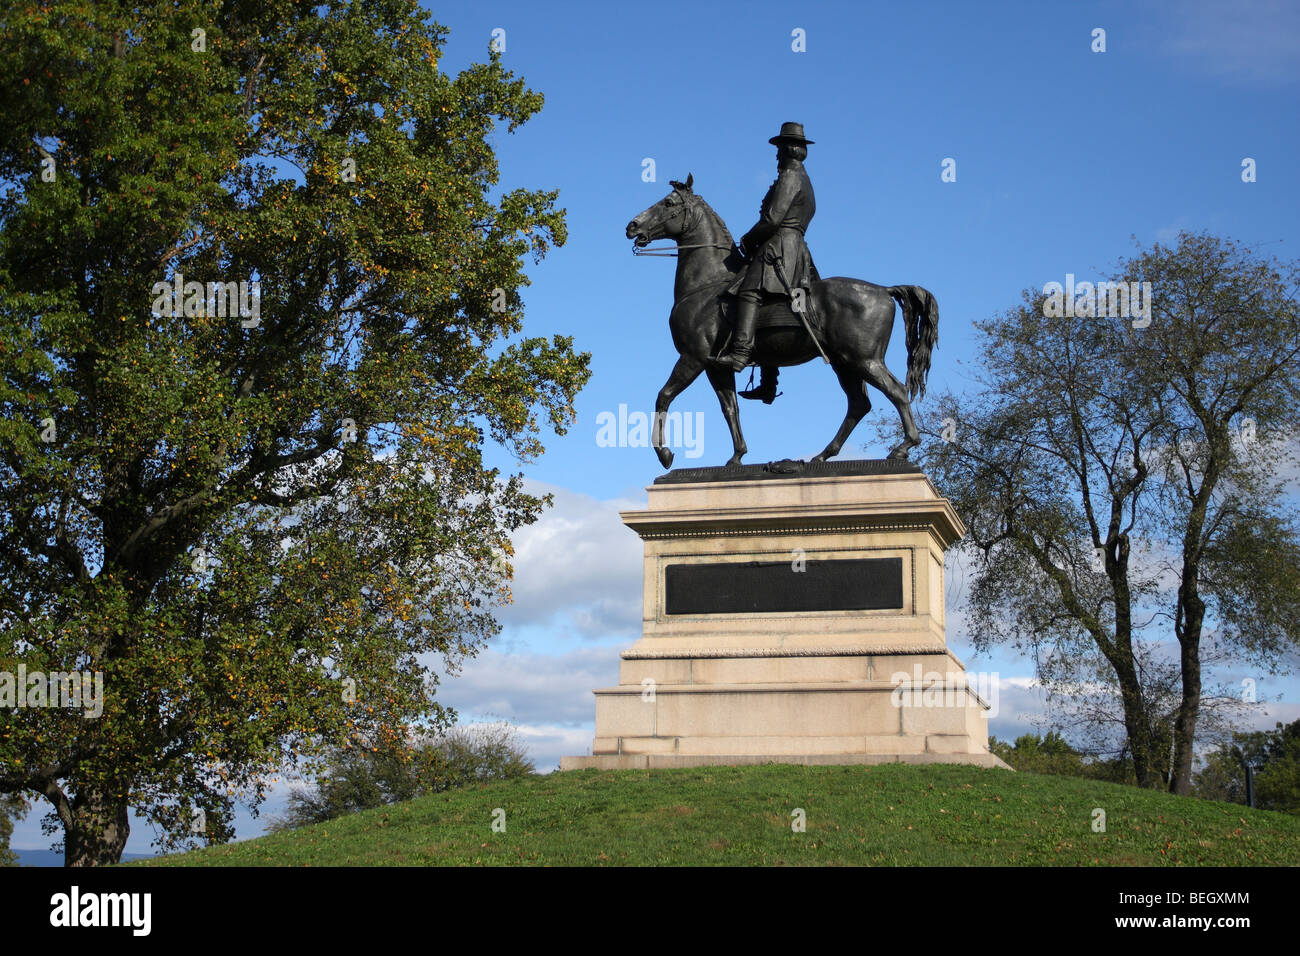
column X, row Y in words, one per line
column 885, row 815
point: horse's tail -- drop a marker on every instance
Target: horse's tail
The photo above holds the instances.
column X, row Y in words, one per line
column 921, row 322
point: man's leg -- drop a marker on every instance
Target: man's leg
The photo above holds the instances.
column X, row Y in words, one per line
column 766, row 391
column 742, row 340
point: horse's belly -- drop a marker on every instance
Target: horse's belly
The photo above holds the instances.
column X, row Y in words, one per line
column 783, row 346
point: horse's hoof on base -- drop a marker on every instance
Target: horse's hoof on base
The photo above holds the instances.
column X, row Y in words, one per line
column 665, row 456
column 823, row 456
column 899, row 454
column 733, row 460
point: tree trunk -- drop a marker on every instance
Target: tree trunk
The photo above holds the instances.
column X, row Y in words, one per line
column 1189, row 618
column 1189, row 708
column 100, row 826
column 1137, row 724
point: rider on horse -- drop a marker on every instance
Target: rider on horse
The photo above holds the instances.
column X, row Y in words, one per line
column 778, row 257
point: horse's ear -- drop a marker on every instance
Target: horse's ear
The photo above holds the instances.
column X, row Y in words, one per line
column 676, row 185
column 690, row 181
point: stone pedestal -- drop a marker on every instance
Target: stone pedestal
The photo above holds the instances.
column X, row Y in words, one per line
column 792, row 613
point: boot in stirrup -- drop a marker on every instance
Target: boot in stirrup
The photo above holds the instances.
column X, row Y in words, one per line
column 766, row 391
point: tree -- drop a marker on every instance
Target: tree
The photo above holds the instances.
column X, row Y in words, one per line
column 1050, row 754
column 255, row 525
column 11, row 807
column 1275, row 757
column 1122, row 478
column 361, row 778
column 1053, row 754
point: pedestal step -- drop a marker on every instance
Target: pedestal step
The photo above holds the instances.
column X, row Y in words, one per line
column 862, row 717
column 890, row 745
column 670, row 761
column 776, row 667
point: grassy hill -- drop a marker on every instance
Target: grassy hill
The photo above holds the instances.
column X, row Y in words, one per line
column 880, row 816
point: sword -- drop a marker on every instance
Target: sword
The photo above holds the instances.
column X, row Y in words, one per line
column 803, row 318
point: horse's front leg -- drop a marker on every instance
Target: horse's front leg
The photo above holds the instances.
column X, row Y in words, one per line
column 684, row 372
column 724, row 384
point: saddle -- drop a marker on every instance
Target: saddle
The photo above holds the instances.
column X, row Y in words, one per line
column 776, row 312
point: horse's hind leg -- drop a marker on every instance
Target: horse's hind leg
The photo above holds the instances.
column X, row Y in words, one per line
column 724, row 384
column 684, row 372
column 859, row 404
column 875, row 372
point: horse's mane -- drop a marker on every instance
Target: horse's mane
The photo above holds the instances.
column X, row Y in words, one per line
column 732, row 242
column 722, row 223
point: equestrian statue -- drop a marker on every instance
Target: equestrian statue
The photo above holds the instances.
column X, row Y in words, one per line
column 763, row 303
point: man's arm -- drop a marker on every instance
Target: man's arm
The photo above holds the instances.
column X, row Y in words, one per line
column 775, row 206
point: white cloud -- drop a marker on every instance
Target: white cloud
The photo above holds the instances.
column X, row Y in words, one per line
column 578, row 566
column 1169, row 234
column 548, row 743
column 1256, row 41
column 547, row 697
column 532, row 689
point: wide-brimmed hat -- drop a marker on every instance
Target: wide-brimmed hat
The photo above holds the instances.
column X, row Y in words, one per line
column 790, row 133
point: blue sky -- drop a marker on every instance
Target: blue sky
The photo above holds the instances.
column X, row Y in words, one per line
column 1063, row 156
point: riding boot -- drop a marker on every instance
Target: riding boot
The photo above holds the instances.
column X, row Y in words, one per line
column 766, row 391
column 742, row 340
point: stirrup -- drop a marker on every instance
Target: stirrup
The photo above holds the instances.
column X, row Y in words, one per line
column 760, row 394
column 727, row 361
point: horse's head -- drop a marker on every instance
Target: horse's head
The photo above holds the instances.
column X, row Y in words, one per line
column 666, row 219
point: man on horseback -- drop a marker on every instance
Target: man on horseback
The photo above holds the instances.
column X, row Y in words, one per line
column 777, row 256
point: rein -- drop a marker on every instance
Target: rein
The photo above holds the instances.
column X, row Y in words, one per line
column 662, row 251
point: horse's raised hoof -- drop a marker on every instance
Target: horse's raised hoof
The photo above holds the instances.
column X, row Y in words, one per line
column 665, row 456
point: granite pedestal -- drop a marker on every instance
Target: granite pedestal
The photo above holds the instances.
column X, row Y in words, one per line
column 792, row 612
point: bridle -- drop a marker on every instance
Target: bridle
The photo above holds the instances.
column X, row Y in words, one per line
column 687, row 207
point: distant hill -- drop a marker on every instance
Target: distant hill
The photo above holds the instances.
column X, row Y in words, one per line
column 50, row 858
column 886, row 815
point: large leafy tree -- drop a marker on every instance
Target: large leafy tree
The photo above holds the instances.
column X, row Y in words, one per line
column 1124, row 487
column 262, row 529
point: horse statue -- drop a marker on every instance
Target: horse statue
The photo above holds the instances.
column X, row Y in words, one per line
column 851, row 318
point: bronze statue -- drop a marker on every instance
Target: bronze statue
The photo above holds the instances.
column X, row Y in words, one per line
column 846, row 321
column 779, row 262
